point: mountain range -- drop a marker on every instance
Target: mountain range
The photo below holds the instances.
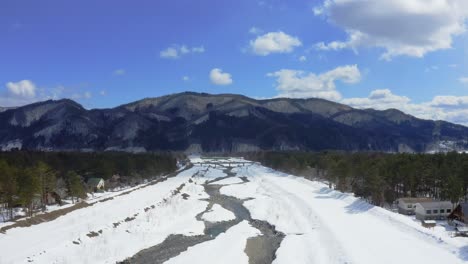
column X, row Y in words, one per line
column 199, row 122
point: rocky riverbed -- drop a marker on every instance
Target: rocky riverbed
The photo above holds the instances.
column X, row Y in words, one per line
column 260, row 249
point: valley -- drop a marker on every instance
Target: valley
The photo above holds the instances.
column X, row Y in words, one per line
column 229, row 210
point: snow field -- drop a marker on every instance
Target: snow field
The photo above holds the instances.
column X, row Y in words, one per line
column 226, row 248
column 218, row 214
column 52, row 242
column 321, row 225
column 228, row 181
column 337, row 227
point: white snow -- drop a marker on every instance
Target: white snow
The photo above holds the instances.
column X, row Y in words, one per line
column 91, row 198
column 226, row 248
column 218, row 214
column 337, row 227
column 321, row 225
column 228, row 181
column 52, row 242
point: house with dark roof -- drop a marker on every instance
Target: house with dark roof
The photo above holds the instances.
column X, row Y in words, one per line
column 96, row 184
column 408, row 204
column 434, row 210
column 459, row 215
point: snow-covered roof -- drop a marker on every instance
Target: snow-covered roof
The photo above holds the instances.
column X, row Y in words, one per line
column 415, row 199
column 436, row 205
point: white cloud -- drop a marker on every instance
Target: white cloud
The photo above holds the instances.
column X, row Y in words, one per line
column 218, row 77
column 84, row 95
column 169, row 53
column 463, row 80
column 400, row 27
column 450, row 101
column 185, row 78
column 449, row 108
column 119, row 72
column 177, row 51
column 103, row 93
column 274, row 42
column 184, row 50
column 24, row 88
column 432, row 68
column 200, row 49
column 20, row 93
column 378, row 99
column 255, row 31
column 302, row 58
column 26, row 92
column 300, row 84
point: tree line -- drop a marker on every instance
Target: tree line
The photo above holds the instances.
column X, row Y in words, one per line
column 379, row 177
column 27, row 178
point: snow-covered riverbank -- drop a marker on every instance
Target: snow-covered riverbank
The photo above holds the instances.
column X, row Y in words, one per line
column 319, row 225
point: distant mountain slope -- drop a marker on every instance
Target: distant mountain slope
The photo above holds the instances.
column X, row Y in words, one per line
column 225, row 122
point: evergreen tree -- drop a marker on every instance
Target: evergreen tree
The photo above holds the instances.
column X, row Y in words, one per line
column 76, row 188
column 29, row 189
column 8, row 187
column 47, row 180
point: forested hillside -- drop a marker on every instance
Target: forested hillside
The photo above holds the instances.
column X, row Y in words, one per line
column 199, row 122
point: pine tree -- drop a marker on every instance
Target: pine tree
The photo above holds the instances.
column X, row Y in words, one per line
column 47, row 180
column 8, row 187
column 29, row 188
column 76, row 188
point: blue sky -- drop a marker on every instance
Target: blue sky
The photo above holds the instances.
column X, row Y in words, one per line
column 410, row 55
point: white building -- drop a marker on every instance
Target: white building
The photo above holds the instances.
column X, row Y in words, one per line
column 408, row 204
column 436, row 210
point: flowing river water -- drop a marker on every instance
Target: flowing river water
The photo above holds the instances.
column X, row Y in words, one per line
column 260, row 249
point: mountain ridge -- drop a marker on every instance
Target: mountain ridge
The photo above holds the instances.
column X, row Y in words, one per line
column 202, row 122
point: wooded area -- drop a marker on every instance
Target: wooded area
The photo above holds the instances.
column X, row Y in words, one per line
column 379, row 177
column 28, row 178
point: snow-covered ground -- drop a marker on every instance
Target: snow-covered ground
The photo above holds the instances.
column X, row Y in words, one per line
column 218, row 214
column 226, row 248
column 91, row 198
column 326, row 226
column 228, row 181
column 125, row 224
column 320, row 225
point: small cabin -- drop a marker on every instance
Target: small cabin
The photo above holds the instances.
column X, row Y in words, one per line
column 96, row 184
column 429, row 223
column 52, row 198
column 408, row 204
column 435, row 210
column 459, row 216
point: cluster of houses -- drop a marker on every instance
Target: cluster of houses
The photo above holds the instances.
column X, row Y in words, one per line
column 93, row 184
column 55, row 197
column 427, row 210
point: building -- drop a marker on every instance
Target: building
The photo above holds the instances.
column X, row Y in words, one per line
column 429, row 223
column 407, row 205
column 52, row 198
column 435, row 210
column 96, row 184
column 459, row 216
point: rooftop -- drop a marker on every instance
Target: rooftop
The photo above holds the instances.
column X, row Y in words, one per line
column 416, row 199
column 436, row 204
column 94, row 181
